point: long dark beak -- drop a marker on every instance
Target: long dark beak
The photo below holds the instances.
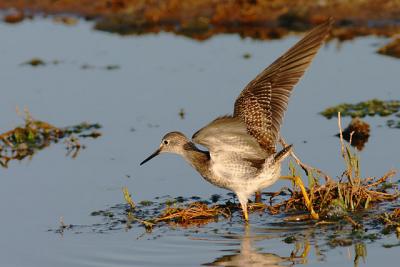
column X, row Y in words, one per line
column 151, row 156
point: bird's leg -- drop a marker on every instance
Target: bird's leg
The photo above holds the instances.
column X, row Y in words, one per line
column 243, row 202
column 299, row 182
column 245, row 213
column 257, row 198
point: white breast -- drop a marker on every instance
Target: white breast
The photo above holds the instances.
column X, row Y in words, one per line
column 230, row 171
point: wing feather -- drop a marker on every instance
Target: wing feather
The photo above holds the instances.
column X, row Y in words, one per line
column 229, row 135
column 262, row 103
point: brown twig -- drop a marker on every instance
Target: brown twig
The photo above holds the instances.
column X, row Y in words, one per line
column 355, row 224
column 307, row 168
column 342, row 147
column 387, row 175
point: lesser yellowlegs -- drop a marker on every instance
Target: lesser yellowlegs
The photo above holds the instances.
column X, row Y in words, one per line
column 242, row 153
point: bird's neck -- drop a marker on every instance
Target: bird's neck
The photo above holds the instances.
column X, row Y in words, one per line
column 197, row 158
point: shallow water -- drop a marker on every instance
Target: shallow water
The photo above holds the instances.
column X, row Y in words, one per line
column 137, row 104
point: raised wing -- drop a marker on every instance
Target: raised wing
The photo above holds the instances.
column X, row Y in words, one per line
column 262, row 103
column 229, row 135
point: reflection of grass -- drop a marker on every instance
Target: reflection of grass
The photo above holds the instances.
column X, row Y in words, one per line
column 391, row 220
column 34, row 135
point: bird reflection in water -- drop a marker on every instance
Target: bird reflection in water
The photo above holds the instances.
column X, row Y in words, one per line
column 249, row 256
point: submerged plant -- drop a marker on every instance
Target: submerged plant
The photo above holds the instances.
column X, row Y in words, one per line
column 128, row 198
column 23, row 141
column 358, row 131
column 391, row 220
column 366, row 108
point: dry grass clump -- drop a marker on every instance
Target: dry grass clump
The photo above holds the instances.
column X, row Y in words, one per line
column 196, row 213
column 335, row 198
column 357, row 130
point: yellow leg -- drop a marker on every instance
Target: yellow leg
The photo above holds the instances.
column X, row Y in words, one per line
column 299, row 182
column 245, row 213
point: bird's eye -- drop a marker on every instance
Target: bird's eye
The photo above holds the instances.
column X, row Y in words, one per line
column 165, row 142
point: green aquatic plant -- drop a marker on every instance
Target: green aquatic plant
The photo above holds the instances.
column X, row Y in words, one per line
column 394, row 123
column 373, row 107
column 35, row 135
column 246, row 55
column 35, row 62
column 128, row 198
column 391, row 220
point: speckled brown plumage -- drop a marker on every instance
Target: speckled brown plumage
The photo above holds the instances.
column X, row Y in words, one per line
column 262, row 103
column 241, row 154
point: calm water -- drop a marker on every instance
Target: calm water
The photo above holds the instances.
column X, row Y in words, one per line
column 137, row 104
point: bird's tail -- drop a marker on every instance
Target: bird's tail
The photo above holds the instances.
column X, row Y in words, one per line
column 281, row 155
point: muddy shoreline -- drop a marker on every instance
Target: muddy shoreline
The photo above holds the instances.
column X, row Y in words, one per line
column 203, row 19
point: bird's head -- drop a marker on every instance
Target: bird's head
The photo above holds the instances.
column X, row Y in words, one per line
column 172, row 142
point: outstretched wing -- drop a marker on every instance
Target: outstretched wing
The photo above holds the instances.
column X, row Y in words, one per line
column 262, row 103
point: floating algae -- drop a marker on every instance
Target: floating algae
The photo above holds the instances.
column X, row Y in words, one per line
column 246, row 55
column 394, row 123
column 182, row 113
column 106, row 67
column 391, row 220
column 358, row 131
column 24, row 141
column 38, row 62
column 374, row 107
column 35, row 62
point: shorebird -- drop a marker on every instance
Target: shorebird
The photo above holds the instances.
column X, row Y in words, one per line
column 242, row 155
